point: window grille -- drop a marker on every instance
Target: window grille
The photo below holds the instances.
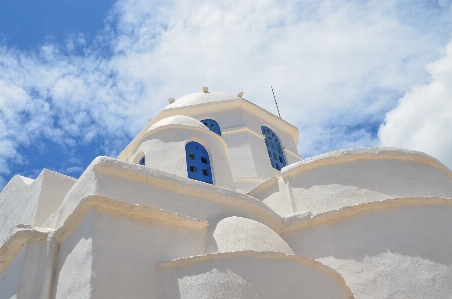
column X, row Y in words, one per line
column 198, row 163
column 274, row 148
column 212, row 125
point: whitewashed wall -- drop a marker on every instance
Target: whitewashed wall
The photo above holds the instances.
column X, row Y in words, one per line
column 165, row 150
column 349, row 177
column 27, row 201
column 385, row 252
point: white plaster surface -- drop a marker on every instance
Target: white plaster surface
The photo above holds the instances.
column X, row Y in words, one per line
column 278, row 196
column 240, row 155
column 135, row 184
column 140, row 246
column 397, row 252
column 395, row 276
column 178, row 120
column 241, row 234
column 169, row 142
column 334, row 186
column 27, row 201
column 199, row 98
column 74, row 263
column 32, row 277
column 54, row 189
column 352, row 153
column 250, row 275
column 215, row 284
column 246, row 184
column 10, row 278
column 22, row 260
column 346, row 178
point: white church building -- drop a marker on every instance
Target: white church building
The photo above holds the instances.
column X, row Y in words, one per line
column 212, row 200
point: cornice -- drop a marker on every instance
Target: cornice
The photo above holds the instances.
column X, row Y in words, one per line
column 305, row 220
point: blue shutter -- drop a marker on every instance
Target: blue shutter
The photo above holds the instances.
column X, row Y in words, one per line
column 212, row 125
column 274, row 148
column 198, row 162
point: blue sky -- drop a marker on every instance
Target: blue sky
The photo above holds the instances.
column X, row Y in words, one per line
column 79, row 79
column 27, row 24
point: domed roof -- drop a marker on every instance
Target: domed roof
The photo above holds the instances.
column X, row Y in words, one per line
column 199, row 98
column 178, row 120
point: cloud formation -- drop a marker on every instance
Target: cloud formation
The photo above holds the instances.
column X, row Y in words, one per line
column 337, row 68
column 423, row 118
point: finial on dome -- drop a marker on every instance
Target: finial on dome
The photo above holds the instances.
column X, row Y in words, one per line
column 205, row 89
column 240, row 94
column 171, row 100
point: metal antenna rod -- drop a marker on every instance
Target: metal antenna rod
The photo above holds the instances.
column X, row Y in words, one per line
column 275, row 102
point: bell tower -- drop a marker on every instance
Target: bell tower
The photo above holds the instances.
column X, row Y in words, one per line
column 259, row 144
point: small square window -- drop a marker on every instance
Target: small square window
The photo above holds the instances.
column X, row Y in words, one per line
column 191, row 156
column 280, row 159
column 204, row 160
column 193, row 168
column 205, row 172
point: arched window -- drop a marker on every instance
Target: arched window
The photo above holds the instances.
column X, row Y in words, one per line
column 274, row 148
column 198, row 163
column 142, row 161
column 212, row 125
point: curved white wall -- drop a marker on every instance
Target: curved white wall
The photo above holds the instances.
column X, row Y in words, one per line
column 164, row 149
column 392, row 252
column 241, row 234
column 350, row 177
column 140, row 185
column 250, row 275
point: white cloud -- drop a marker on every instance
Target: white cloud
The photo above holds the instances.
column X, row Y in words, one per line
column 74, row 169
column 335, row 67
column 423, row 119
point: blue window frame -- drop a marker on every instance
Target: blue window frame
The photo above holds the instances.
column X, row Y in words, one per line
column 212, row 125
column 274, row 148
column 142, row 161
column 198, row 162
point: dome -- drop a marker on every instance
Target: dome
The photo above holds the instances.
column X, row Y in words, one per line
column 178, row 120
column 199, row 98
